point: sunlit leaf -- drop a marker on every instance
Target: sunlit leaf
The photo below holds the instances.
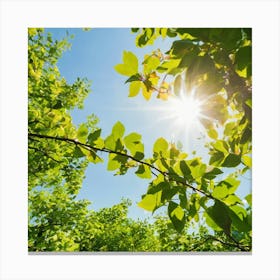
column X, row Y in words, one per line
column 146, row 93
column 219, row 214
column 150, row 201
column 220, row 192
column 78, row 152
column 92, row 137
column 216, row 159
column 118, row 130
column 134, row 88
column 177, row 215
column 161, row 145
column 110, row 142
column 247, row 160
column 185, row 168
column 144, row 172
column 232, row 160
column 211, row 174
column 238, row 216
column 212, row 133
column 82, row 133
column 249, row 199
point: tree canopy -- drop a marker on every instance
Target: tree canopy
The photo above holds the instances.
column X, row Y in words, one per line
column 210, row 65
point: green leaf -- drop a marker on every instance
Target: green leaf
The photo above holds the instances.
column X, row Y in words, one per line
column 221, row 146
column 132, row 139
column 122, row 69
column 187, row 59
column 219, row 214
column 220, row 192
column 249, row 199
column 118, row 130
column 212, row 133
column 230, row 38
column 147, row 93
column 82, row 133
column 110, row 142
column 228, row 128
column 78, row 152
column 161, row 145
column 134, row 88
column 211, row 223
column 113, row 163
column 150, row 202
column 92, row 137
column 238, row 216
column 212, row 173
column 185, row 168
column 130, row 59
column 232, row 160
column 216, row 159
column 133, row 78
column 93, row 157
column 168, row 66
column 247, row 161
column 144, row 172
column 180, row 47
column 232, row 200
column 198, row 170
column 176, row 215
column 129, row 66
column 243, row 57
column 151, row 64
column 133, row 143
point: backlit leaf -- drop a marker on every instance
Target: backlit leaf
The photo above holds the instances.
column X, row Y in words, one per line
column 185, row 168
column 232, row 160
column 92, row 137
column 144, row 172
column 247, row 161
column 176, row 215
column 150, row 201
column 82, row 133
column 216, row 159
column 113, row 163
column 78, row 152
column 220, row 192
column 118, row 130
column 249, row 199
column 134, row 88
column 161, row 145
column 219, row 214
column 131, row 61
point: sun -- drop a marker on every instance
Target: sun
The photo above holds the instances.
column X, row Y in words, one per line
column 184, row 109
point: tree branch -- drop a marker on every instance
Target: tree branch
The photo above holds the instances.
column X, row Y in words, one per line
column 106, row 150
column 165, row 174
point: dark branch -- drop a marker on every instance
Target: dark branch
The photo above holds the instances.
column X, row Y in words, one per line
column 106, row 150
column 153, row 168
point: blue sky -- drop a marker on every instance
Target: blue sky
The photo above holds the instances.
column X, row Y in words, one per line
column 93, row 55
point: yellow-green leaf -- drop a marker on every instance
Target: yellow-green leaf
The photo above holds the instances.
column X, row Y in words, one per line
column 134, row 88
column 247, row 161
column 150, row 201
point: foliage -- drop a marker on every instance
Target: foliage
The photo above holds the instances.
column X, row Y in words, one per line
column 217, row 63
